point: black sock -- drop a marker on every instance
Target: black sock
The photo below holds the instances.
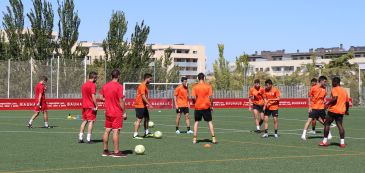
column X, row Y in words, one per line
column 265, row 130
column 261, row 121
column 314, row 128
column 276, row 131
column 177, row 128
column 188, row 128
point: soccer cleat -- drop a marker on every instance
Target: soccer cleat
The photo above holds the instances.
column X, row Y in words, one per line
column 189, row 132
column 137, row 137
column 312, row 132
column 265, row 135
column 276, row 135
column 177, row 131
column 148, row 135
column 257, row 131
column 303, row 137
column 194, row 140
column 119, row 154
column 30, row 126
column 90, row 142
column 81, row 141
column 342, row 145
column 324, row 144
column 106, row 153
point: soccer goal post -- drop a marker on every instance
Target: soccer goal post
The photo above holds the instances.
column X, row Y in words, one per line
column 155, row 90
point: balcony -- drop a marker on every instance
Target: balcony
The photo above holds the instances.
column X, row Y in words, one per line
column 184, row 72
column 186, row 64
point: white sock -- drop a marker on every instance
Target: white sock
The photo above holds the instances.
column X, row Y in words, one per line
column 325, row 140
column 146, row 132
column 329, row 133
column 30, row 121
column 135, row 134
column 257, row 127
column 304, row 132
column 81, row 136
column 46, row 124
column 88, row 137
column 342, row 141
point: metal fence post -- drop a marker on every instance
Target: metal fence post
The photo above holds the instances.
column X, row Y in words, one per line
column 58, row 73
column 9, row 78
column 31, row 77
column 51, row 76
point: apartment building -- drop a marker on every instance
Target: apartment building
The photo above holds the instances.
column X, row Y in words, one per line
column 190, row 59
column 280, row 63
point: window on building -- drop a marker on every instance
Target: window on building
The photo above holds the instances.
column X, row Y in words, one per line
column 308, row 57
column 195, row 60
column 195, row 52
column 256, row 69
column 357, row 55
column 267, row 69
column 295, row 58
column 261, row 69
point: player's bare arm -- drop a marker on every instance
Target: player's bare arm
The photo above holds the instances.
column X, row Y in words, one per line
column 145, row 100
column 347, row 108
column 211, row 103
column 94, row 100
column 175, row 100
column 331, row 102
column 122, row 105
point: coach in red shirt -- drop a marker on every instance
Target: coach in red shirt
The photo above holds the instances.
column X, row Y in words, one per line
column 40, row 102
column 112, row 94
column 89, row 106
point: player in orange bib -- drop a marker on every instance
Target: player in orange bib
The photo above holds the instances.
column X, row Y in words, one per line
column 316, row 101
column 202, row 97
column 181, row 98
column 337, row 108
column 141, row 106
column 256, row 103
column 271, row 107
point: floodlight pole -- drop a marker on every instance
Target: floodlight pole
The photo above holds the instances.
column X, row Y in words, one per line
column 9, row 78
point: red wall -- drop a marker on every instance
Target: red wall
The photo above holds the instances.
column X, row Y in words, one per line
column 62, row 104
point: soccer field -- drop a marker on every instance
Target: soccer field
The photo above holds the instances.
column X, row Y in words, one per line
column 239, row 150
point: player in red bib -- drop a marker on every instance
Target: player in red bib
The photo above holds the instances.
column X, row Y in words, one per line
column 40, row 102
column 112, row 94
column 89, row 106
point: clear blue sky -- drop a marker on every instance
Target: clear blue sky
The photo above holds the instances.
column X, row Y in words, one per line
column 243, row 26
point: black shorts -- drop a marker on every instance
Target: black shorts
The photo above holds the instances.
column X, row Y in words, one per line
column 142, row 113
column 184, row 110
column 317, row 113
column 334, row 116
column 259, row 108
column 274, row 113
column 206, row 114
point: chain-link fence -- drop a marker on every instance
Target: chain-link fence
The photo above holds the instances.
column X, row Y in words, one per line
column 65, row 77
column 18, row 78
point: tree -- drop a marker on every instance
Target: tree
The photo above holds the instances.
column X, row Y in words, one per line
column 3, row 47
column 139, row 55
column 13, row 23
column 68, row 34
column 114, row 45
column 221, row 71
column 40, row 37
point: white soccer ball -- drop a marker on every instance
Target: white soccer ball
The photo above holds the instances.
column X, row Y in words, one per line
column 157, row 134
column 151, row 124
column 139, row 149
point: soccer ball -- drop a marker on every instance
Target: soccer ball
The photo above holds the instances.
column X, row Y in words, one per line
column 139, row 149
column 151, row 124
column 158, row 134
